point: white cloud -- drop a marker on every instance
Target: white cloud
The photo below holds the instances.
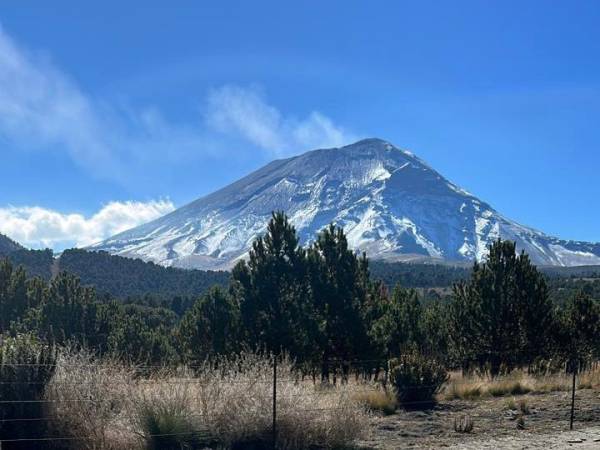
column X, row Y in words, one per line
column 246, row 112
column 41, row 107
column 38, row 227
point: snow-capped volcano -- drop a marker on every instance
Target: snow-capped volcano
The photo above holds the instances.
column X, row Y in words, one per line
column 391, row 204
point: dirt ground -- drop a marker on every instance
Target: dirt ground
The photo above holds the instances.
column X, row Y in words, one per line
column 495, row 425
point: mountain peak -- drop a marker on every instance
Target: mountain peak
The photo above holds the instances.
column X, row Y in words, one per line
column 391, row 204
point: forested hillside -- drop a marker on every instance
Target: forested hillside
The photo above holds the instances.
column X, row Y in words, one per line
column 317, row 303
column 414, row 275
column 7, row 245
column 37, row 263
column 124, row 277
column 144, row 282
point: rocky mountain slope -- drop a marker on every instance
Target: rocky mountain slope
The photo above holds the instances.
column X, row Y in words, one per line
column 391, row 204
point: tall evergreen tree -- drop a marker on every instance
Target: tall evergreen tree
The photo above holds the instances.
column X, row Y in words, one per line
column 502, row 315
column 272, row 292
column 13, row 294
column 340, row 287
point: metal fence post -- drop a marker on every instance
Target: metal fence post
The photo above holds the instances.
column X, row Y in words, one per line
column 274, row 402
column 574, row 369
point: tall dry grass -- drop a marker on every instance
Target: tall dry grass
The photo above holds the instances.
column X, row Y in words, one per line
column 231, row 403
column 90, row 402
column 518, row 382
column 222, row 404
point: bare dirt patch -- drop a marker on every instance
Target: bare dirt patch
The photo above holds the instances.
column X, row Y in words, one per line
column 546, row 424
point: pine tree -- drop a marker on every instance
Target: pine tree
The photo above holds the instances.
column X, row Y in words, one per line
column 210, row 327
column 502, row 316
column 340, row 286
column 399, row 329
column 580, row 321
column 13, row 294
column 272, row 291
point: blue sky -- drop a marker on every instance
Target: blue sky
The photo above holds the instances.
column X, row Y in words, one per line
column 115, row 112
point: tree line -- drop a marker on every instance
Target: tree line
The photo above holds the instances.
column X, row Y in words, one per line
column 320, row 304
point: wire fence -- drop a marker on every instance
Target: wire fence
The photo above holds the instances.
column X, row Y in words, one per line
column 338, row 371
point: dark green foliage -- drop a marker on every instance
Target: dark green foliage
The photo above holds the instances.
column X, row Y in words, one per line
column 413, row 275
column 399, row 329
column 339, row 282
column 26, row 366
column 417, row 379
column 502, row 316
column 66, row 314
column 37, row 263
column 13, row 294
column 210, row 327
column 7, row 245
column 320, row 304
column 563, row 289
column 434, row 328
column 580, row 320
column 125, row 277
column 271, row 290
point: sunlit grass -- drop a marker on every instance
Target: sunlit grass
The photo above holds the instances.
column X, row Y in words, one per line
column 517, row 383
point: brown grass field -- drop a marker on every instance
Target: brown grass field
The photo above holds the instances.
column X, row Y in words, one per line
column 106, row 405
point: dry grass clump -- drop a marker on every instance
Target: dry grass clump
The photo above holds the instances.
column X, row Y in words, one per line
column 522, row 406
column 90, row 401
column 164, row 416
column 463, row 424
column 508, row 386
column 474, row 387
column 590, row 379
column 518, row 382
column 377, row 398
column 224, row 404
column 229, row 403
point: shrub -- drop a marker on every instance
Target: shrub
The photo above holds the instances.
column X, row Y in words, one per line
column 417, row 379
column 463, row 424
column 524, row 407
column 510, row 404
column 26, row 366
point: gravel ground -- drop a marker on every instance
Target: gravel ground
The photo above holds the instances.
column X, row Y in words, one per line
column 495, row 425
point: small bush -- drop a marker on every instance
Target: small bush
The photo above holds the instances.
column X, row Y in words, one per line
column 463, row 424
column 511, row 405
column 524, row 407
column 417, row 379
column 26, row 366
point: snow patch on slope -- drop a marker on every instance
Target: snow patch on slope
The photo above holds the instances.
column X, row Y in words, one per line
column 391, row 204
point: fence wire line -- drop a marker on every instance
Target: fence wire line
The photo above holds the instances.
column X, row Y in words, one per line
column 306, row 379
column 85, row 438
column 342, row 381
